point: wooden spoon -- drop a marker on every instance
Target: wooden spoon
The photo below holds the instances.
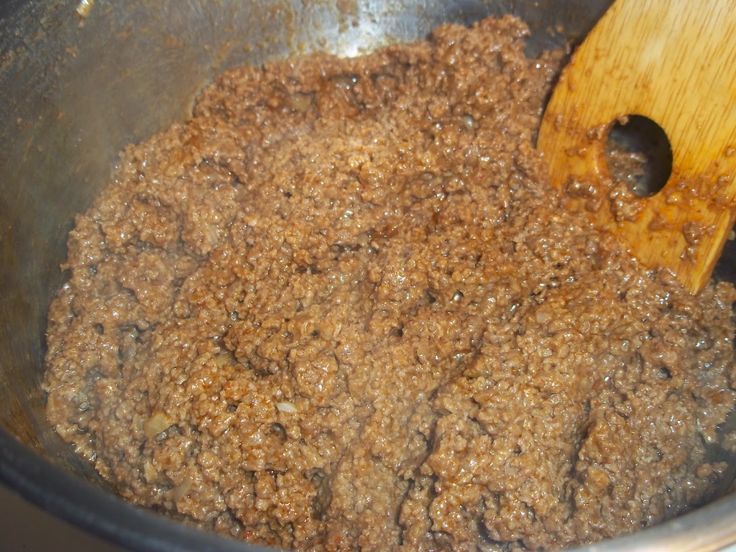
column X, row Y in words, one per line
column 673, row 61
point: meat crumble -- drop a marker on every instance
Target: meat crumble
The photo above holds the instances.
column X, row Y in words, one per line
column 342, row 308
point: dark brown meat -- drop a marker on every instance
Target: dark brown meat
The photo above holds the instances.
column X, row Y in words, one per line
column 341, row 307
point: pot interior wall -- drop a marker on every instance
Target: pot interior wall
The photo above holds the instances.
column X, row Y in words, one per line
column 79, row 85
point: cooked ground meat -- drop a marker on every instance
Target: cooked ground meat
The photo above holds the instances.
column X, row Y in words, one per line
column 341, row 308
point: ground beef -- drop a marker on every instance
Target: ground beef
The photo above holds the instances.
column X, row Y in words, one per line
column 341, row 308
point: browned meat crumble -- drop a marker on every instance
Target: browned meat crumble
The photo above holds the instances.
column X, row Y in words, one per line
column 341, row 308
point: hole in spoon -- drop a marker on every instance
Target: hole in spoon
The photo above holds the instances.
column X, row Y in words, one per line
column 639, row 154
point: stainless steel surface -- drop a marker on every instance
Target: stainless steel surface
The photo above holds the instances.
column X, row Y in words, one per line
column 76, row 89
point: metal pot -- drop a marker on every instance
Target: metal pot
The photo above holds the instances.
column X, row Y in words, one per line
column 79, row 81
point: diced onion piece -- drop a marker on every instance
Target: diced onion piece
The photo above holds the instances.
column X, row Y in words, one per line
column 286, row 407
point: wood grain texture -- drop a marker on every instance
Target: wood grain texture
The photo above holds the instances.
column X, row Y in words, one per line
column 673, row 61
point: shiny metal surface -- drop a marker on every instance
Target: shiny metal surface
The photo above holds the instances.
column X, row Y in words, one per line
column 76, row 89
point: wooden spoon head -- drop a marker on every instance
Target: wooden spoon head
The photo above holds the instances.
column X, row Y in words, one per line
column 673, row 61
